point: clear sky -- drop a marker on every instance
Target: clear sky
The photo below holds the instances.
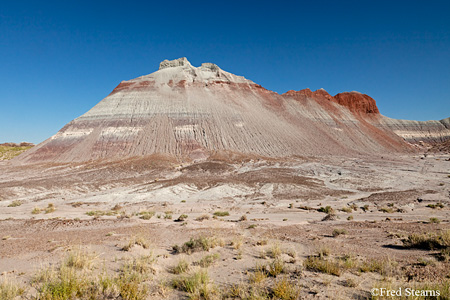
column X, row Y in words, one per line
column 60, row 58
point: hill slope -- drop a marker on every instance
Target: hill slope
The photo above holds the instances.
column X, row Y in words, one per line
column 192, row 112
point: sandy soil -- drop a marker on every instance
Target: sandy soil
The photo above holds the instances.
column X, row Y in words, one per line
column 272, row 204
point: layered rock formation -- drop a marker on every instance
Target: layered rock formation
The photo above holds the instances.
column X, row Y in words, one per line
column 192, row 112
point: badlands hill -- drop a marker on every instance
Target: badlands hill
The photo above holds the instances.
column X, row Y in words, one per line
column 194, row 112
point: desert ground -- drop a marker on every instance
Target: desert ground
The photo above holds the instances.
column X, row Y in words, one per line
column 233, row 227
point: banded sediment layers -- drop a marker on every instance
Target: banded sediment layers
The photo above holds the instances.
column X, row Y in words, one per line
column 193, row 112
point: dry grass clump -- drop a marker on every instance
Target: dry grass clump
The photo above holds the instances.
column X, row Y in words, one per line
column 304, row 207
column 261, row 242
column 140, row 265
column 237, row 242
column 181, row 267
column 36, row 211
column 436, row 206
column 146, row 215
column 202, row 218
column 327, row 209
column 350, row 283
column 198, row 244
column 74, row 278
column 346, row 209
column 9, row 289
column 330, row 217
column 208, row 260
column 285, row 290
column 428, row 241
column 276, row 267
column 197, row 285
column 80, row 259
column 247, row 292
column 182, row 218
column 136, row 240
column 259, row 275
column 15, row 203
column 275, row 251
column 435, row 220
column 385, row 209
column 221, row 213
column 99, row 213
column 385, row 267
column 50, row 208
column 320, row 264
column 338, row 231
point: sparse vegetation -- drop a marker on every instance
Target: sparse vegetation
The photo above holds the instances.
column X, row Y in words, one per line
column 196, row 285
column 146, row 215
column 346, row 209
column 285, row 290
column 181, row 218
column 198, row 244
column 15, row 203
column 327, row 210
column 365, row 208
column 349, row 218
column 276, row 267
column 385, row 267
column 74, row 279
column 259, row 275
column 428, row 241
column 338, row 231
column 50, row 208
column 386, row 209
column 304, row 207
column 350, row 283
column 36, row 211
column 9, row 289
column 275, row 251
column 208, row 260
column 329, row 217
column 181, row 267
column 236, row 243
column 435, row 220
column 320, row 264
column 8, row 152
column 79, row 259
column 436, row 206
column 221, row 213
column 136, row 240
column 99, row 213
column 202, row 218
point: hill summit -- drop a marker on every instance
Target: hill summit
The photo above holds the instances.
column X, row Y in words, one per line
column 194, row 112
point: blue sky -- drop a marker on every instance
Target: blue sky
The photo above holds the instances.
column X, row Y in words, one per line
column 60, row 58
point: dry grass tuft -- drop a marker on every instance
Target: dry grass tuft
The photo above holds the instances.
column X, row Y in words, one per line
column 136, row 240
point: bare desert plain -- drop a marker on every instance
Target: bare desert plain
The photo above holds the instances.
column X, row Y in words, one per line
column 232, row 227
